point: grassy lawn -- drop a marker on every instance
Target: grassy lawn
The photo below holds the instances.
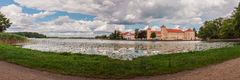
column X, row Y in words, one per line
column 104, row 67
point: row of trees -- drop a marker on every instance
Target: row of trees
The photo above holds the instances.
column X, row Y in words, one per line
column 140, row 34
column 31, row 34
column 222, row 28
column 116, row 35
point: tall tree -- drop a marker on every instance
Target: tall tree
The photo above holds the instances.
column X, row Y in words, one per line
column 153, row 35
column 195, row 31
column 227, row 30
column 210, row 30
column 236, row 17
column 136, row 33
column 116, row 35
column 142, row 34
column 4, row 23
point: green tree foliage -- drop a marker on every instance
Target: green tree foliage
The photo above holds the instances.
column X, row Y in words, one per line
column 102, row 37
column 4, row 23
column 222, row 28
column 210, row 30
column 142, row 34
column 31, row 34
column 136, row 33
column 116, row 35
column 236, row 18
column 195, row 31
column 153, row 35
column 227, row 30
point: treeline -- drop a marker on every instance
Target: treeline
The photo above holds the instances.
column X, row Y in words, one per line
column 140, row 34
column 31, row 34
column 116, row 35
column 222, row 28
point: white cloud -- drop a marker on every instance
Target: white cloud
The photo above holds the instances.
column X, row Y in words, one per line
column 20, row 19
column 112, row 14
column 62, row 26
column 134, row 11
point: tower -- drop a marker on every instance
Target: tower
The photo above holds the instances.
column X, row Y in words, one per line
column 164, row 32
column 149, row 31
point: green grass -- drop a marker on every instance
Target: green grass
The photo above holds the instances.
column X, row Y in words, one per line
column 104, row 67
column 11, row 38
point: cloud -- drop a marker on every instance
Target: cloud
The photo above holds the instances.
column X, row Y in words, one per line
column 113, row 14
column 138, row 11
column 62, row 26
column 21, row 20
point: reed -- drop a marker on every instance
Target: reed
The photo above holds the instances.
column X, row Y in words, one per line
column 7, row 38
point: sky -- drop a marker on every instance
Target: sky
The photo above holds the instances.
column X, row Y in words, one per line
column 88, row 18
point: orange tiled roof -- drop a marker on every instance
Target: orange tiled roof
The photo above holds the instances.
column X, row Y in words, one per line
column 124, row 33
column 175, row 30
column 189, row 30
column 128, row 33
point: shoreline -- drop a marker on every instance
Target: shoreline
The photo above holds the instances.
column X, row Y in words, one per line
column 211, row 40
column 119, row 40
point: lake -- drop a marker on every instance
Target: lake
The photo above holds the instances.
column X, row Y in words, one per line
column 124, row 50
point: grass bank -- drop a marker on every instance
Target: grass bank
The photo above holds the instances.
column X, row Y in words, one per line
column 104, row 67
column 11, row 38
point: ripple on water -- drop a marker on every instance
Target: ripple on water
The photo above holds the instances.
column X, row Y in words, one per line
column 124, row 50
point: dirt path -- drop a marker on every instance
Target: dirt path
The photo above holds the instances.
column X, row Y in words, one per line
column 229, row 70
column 14, row 72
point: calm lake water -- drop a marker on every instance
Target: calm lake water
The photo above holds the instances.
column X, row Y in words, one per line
column 124, row 50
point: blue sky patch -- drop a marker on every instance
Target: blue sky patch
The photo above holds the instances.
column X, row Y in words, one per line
column 5, row 2
column 74, row 16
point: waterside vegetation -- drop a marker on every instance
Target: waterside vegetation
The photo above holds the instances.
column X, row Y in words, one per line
column 8, row 38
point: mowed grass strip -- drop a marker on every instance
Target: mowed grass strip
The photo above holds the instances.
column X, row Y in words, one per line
column 104, row 67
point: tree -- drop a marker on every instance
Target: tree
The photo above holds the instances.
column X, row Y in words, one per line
column 227, row 30
column 223, row 28
column 4, row 23
column 31, row 34
column 102, row 37
column 195, row 31
column 210, row 30
column 116, row 35
column 142, row 34
column 236, row 18
column 136, row 33
column 153, row 35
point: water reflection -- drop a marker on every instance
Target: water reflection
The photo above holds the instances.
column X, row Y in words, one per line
column 124, row 50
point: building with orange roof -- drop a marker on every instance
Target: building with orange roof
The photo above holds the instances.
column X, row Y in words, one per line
column 172, row 34
column 128, row 35
column 164, row 34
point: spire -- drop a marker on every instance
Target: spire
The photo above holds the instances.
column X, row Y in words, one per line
column 163, row 26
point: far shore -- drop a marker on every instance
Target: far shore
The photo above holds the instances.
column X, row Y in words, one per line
column 210, row 40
